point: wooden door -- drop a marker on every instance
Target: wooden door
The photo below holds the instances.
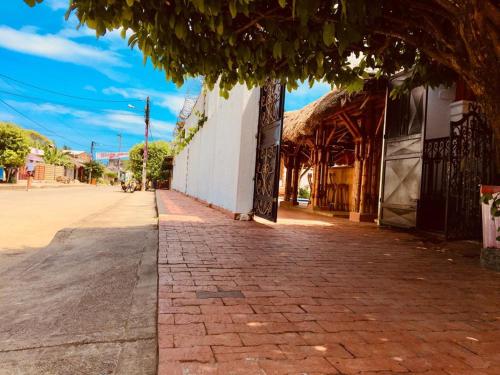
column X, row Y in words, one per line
column 403, row 159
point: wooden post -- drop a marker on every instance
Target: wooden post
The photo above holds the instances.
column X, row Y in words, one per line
column 295, row 183
column 316, row 172
column 324, row 180
column 358, row 166
column 376, row 152
column 319, row 165
column 288, row 178
column 365, row 178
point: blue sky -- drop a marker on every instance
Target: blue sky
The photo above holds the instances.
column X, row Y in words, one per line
column 40, row 48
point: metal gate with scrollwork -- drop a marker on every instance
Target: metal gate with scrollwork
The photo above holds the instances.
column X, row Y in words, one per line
column 433, row 190
column 267, row 163
column 470, row 164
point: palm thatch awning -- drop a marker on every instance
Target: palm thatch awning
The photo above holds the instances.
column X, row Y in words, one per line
column 302, row 122
column 335, row 104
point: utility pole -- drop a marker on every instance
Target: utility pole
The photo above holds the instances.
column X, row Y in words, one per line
column 92, row 144
column 145, row 153
column 119, row 150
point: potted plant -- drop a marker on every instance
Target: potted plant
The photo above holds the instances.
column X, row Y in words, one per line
column 490, row 206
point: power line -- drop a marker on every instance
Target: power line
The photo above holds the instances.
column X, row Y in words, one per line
column 71, row 96
column 38, row 124
column 69, row 105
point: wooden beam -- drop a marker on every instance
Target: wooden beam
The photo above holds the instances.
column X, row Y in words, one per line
column 380, row 122
column 352, row 126
column 330, row 136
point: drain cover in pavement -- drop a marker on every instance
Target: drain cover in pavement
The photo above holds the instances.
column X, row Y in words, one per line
column 203, row 294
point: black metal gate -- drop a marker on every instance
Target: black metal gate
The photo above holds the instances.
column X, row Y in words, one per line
column 470, row 164
column 267, row 163
column 433, row 190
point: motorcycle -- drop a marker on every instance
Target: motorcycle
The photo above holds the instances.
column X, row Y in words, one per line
column 129, row 186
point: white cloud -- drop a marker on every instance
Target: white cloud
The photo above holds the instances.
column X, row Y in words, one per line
column 113, row 39
column 173, row 102
column 48, row 108
column 130, row 123
column 124, row 121
column 57, row 4
column 7, row 117
column 89, row 88
column 58, row 48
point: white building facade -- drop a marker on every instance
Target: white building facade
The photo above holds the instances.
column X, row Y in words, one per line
column 218, row 165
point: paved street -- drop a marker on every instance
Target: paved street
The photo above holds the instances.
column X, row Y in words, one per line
column 77, row 282
column 317, row 296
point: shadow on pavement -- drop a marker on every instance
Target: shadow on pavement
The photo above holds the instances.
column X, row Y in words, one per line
column 85, row 304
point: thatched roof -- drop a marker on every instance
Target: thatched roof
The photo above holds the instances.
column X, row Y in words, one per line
column 303, row 121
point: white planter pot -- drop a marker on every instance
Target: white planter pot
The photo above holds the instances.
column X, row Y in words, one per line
column 490, row 225
column 490, row 253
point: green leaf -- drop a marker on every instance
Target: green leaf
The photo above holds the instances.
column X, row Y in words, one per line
column 277, row 50
column 320, row 58
column 130, row 2
column 200, row 5
column 328, row 33
column 180, row 30
column 282, row 3
column 486, row 198
column 220, row 26
column 355, row 85
column 232, row 8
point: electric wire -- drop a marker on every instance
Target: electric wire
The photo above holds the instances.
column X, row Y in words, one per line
column 69, row 95
column 38, row 124
column 57, row 102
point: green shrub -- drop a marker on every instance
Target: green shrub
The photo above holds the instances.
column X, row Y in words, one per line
column 304, row 193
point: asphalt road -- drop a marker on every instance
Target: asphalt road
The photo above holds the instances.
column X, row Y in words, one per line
column 78, row 282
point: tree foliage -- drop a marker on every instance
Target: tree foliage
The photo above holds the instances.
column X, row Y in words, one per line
column 37, row 140
column 53, row 155
column 14, row 147
column 157, row 152
column 295, row 40
column 96, row 167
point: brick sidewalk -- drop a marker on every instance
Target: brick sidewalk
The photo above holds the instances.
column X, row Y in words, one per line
column 317, row 296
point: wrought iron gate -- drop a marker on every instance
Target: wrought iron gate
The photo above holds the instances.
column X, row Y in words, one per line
column 470, row 164
column 267, row 163
column 433, row 190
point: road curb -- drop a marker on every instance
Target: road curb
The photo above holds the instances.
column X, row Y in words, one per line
column 160, row 208
column 9, row 188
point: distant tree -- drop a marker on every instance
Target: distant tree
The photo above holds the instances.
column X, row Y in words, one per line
column 157, row 152
column 96, row 167
column 53, row 155
column 36, row 139
column 111, row 175
column 14, row 147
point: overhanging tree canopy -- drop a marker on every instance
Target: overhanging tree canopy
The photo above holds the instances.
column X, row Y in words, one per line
column 251, row 40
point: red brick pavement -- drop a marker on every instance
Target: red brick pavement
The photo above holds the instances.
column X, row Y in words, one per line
column 319, row 297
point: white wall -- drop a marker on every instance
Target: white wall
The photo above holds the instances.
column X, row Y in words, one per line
column 218, row 165
column 438, row 111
